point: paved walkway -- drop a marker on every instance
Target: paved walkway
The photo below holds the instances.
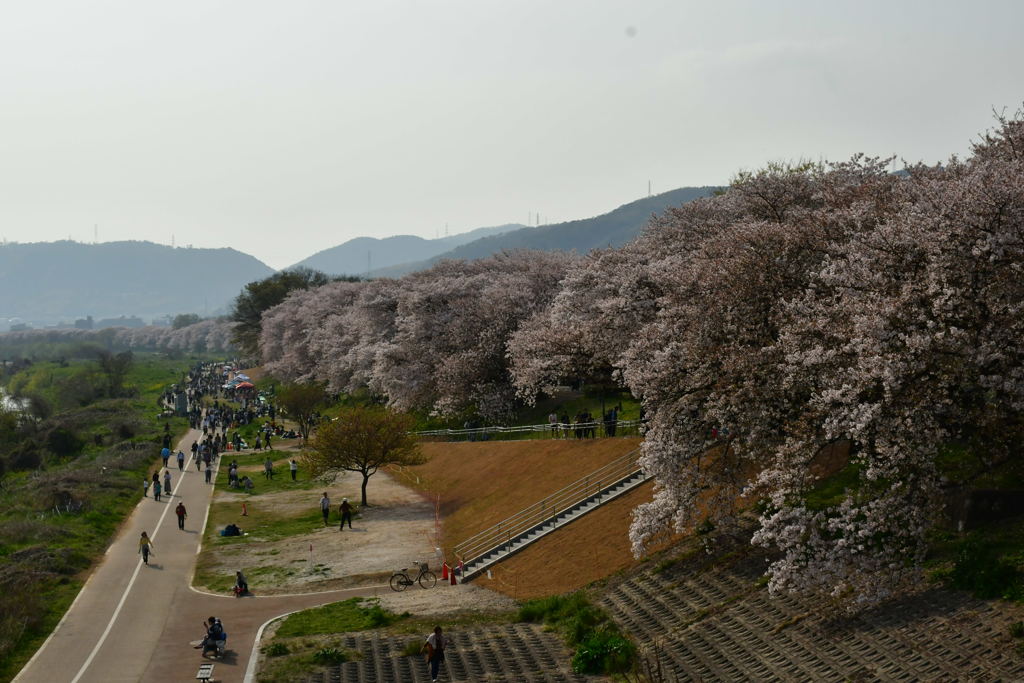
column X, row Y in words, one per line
column 133, row 622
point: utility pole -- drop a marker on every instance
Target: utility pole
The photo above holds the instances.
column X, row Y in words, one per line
column 648, row 188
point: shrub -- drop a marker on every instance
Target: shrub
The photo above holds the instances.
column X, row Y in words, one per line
column 376, row 616
column 276, row 650
column 981, row 569
column 1017, row 629
column 63, row 442
column 604, row 652
column 600, row 646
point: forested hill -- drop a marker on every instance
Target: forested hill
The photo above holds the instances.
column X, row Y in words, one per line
column 612, row 229
column 54, row 281
column 361, row 254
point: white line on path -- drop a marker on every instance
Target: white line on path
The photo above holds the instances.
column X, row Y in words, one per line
column 250, row 669
column 124, row 596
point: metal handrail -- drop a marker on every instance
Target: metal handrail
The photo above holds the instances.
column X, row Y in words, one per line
column 558, row 427
column 547, row 509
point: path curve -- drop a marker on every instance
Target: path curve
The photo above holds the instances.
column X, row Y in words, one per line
column 132, row 622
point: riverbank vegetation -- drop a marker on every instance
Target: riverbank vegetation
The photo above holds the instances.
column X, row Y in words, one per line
column 72, row 464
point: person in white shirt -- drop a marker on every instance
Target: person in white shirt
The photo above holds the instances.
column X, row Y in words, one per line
column 325, row 507
column 434, row 647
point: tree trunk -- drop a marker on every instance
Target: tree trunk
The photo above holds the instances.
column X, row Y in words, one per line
column 366, row 478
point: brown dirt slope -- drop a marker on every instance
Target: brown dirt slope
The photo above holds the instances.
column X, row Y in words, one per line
column 479, row 484
column 590, row 548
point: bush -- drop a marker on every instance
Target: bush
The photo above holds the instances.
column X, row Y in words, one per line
column 276, row 650
column 604, row 652
column 980, row 569
column 600, row 646
column 1017, row 629
column 376, row 617
column 63, row 442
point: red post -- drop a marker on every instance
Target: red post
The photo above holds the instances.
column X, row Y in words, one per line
column 444, row 571
column 245, row 512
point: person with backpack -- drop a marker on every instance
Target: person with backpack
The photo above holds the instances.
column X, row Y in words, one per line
column 434, row 648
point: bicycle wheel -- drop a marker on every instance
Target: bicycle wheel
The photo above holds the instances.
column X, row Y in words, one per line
column 427, row 580
column 399, row 582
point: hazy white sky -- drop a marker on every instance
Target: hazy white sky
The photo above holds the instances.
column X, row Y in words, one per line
column 283, row 128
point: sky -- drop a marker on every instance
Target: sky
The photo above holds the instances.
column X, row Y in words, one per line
column 284, row 128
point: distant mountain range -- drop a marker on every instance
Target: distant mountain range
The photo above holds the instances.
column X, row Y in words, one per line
column 49, row 282
column 364, row 254
column 46, row 283
column 612, row 229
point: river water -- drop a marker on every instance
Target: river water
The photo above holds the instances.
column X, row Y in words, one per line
column 8, row 403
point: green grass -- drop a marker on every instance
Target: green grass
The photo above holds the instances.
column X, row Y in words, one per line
column 832, row 490
column 299, row 658
column 251, row 463
column 259, row 524
column 600, row 647
column 354, row 614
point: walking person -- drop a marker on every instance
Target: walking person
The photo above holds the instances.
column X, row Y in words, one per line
column 145, row 488
column 181, row 461
column 209, row 471
column 167, row 482
column 434, row 647
column 268, row 468
column 294, row 467
column 145, row 547
column 165, row 453
column 182, row 514
column 198, row 461
column 156, row 490
column 325, row 507
column 346, row 513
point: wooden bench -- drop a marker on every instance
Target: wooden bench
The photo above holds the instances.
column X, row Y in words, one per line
column 205, row 672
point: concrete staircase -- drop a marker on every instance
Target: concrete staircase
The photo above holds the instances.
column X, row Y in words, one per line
column 511, row 535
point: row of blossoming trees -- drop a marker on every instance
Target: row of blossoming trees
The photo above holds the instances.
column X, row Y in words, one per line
column 213, row 334
column 802, row 307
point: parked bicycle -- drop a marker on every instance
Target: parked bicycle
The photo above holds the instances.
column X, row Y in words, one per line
column 400, row 580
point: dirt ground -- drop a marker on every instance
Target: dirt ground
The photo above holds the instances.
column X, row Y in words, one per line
column 594, row 546
column 482, row 483
column 397, row 528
